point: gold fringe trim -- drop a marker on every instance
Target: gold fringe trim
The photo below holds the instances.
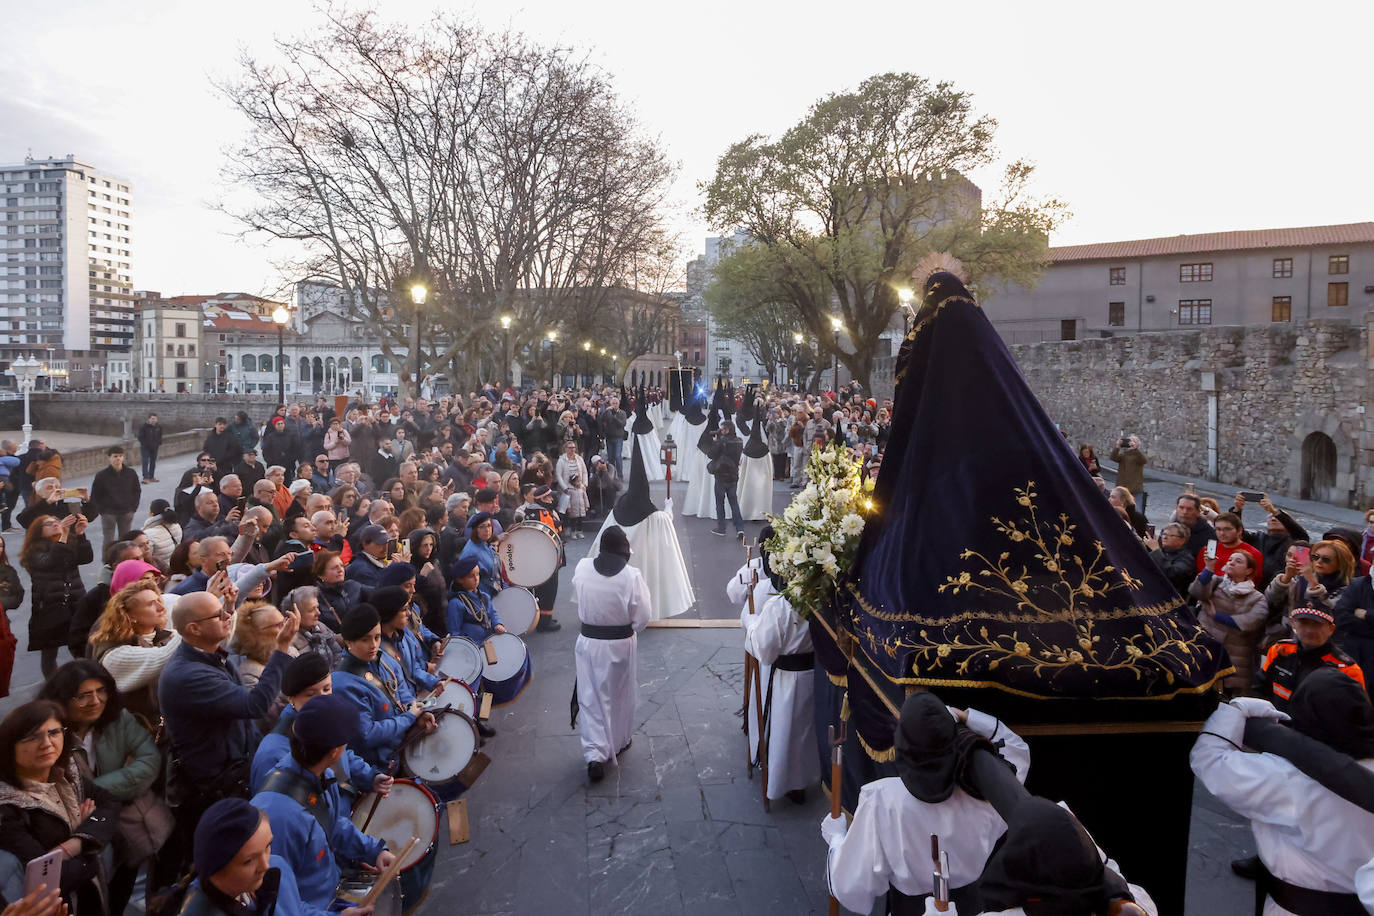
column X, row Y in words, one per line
column 839, row 680
column 886, row 756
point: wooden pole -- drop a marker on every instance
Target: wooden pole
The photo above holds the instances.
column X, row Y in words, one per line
column 836, row 792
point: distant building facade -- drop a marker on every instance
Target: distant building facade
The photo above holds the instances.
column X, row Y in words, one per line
column 1188, row 282
column 167, row 344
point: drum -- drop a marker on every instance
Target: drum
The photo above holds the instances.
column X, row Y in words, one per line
column 352, row 890
column 410, row 810
column 457, row 696
column 440, row 756
column 529, row 553
column 517, row 607
column 462, row 661
column 508, row 675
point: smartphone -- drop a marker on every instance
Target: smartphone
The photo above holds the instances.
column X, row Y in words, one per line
column 44, row 873
column 391, row 546
column 1211, row 550
column 1251, row 496
column 222, row 565
column 1150, row 531
column 1302, row 555
column 73, row 493
column 241, row 503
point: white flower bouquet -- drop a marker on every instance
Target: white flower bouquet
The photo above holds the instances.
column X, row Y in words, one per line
column 817, row 535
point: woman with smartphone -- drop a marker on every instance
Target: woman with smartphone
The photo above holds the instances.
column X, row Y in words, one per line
column 47, row 806
column 54, row 551
column 1233, row 611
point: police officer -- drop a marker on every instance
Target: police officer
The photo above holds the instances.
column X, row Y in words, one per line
column 1290, row 660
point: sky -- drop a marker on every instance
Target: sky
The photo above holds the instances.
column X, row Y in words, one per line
column 1147, row 119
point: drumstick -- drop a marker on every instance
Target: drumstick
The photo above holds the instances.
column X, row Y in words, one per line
column 391, row 871
column 377, row 799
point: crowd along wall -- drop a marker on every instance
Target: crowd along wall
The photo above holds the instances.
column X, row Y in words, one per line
column 1278, row 408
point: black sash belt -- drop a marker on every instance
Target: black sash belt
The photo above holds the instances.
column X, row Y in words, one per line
column 1303, row 900
column 801, row 661
column 623, row 631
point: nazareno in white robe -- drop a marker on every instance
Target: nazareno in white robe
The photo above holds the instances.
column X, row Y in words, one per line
column 650, row 447
column 680, row 430
column 755, row 487
column 888, row 842
column 737, row 591
column 656, row 552
column 701, row 486
column 607, row 680
column 792, row 762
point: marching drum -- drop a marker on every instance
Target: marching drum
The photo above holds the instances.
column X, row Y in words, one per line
column 440, row 757
column 457, row 696
column 410, row 810
column 508, row 675
column 529, row 553
column 517, row 607
column 462, row 661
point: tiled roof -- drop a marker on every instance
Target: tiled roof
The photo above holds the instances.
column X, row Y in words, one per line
column 242, row 321
column 1250, row 239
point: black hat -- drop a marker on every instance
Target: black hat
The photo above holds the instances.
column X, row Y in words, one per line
column 1045, row 863
column 328, row 720
column 635, row 504
column 1333, row 708
column 925, row 747
column 358, row 622
column 304, row 672
column 614, row 552
column 223, row 829
column 389, row 600
column 754, row 446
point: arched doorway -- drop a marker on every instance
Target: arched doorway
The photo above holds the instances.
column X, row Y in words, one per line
column 1318, row 468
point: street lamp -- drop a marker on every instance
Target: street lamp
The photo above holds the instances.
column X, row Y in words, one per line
column 796, row 356
column 417, row 295
column 25, row 372
column 586, row 355
column 553, row 383
column 906, row 295
column 835, row 325
column 280, row 317
column 505, row 349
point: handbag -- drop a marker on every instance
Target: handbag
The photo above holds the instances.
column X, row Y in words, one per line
column 144, row 825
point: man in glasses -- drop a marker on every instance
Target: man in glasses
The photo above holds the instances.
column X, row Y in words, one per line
column 1228, row 530
column 209, row 714
column 1310, row 648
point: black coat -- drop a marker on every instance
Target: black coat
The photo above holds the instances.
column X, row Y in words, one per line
column 55, row 571
column 116, row 492
column 225, row 448
column 1179, row 565
column 727, row 451
column 150, row 436
column 281, row 448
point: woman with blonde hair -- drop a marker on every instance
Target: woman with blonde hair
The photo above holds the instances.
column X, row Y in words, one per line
column 132, row 641
column 256, row 628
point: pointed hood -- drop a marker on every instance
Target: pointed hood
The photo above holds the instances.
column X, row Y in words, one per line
column 712, row 418
column 679, row 389
column 635, row 504
column 642, row 425
column 754, row 446
column 695, row 412
column 993, row 563
column 747, row 408
column 625, row 403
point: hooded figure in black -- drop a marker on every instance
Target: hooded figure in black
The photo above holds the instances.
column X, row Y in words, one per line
column 756, row 467
column 646, row 438
column 683, row 402
column 651, row 535
column 701, row 499
column 994, row 572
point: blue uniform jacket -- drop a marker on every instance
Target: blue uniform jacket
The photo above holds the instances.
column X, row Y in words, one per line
column 276, row 746
column 411, row 658
column 289, row 902
column 312, row 854
column 474, row 620
column 485, row 556
column 382, row 722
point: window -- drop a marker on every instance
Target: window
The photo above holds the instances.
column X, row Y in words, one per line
column 1194, row 273
column 1282, row 309
column 1116, row 314
column 1283, row 267
column 180, row 370
column 1337, row 294
column 190, row 349
column 1195, row 311
column 181, row 329
column 1116, row 276
column 264, row 363
column 1338, row 264
column 250, row 363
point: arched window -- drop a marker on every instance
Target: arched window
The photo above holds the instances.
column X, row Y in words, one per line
column 229, row 362
column 264, row 363
column 250, row 363
column 357, row 368
column 285, row 362
column 305, row 370
column 378, row 363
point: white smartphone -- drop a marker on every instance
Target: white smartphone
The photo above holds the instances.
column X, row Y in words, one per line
column 1211, row 550
column 44, row 873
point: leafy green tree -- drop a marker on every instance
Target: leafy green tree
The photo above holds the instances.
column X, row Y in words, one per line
column 842, row 206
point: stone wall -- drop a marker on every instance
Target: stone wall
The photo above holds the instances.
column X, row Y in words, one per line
column 120, row 415
column 1277, row 389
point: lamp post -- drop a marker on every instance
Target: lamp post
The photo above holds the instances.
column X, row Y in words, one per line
column 906, row 296
column 279, row 317
column 553, row 380
column 586, row 356
column 796, row 358
column 601, row 366
column 418, row 293
column 666, row 452
column 25, row 371
column 505, row 349
column 835, row 325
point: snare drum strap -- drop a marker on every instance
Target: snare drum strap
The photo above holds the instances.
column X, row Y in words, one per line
column 312, row 798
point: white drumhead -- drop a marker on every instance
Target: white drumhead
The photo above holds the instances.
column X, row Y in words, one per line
column 457, row 695
column 462, row 660
column 517, row 607
column 442, row 754
column 529, row 554
column 510, row 657
column 408, row 811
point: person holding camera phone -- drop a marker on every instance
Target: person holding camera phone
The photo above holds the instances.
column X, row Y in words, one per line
column 1130, row 468
column 1280, row 531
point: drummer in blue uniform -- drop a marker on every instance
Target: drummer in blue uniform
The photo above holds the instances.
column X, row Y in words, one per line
column 308, row 676
column 470, row 612
column 311, row 826
column 404, row 576
column 385, row 704
column 403, row 648
column 481, row 547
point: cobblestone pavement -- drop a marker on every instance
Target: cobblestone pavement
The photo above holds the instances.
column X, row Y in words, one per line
column 678, row 827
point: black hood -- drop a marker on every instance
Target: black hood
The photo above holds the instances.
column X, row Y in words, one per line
column 642, row 424
column 635, row 504
column 680, row 389
column 1333, row 708
column 712, row 419
column 925, row 748
column 754, row 446
column 614, row 553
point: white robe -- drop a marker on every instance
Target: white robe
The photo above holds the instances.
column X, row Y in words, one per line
column 607, row 681
column 701, row 485
column 737, row 591
column 649, row 449
column 678, row 429
column 792, row 762
column 1364, row 885
column 888, row 842
column 755, row 487
column 656, row 552
column 1307, row 835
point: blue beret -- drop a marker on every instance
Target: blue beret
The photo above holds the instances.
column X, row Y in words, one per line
column 463, row 565
column 327, row 720
column 389, row 600
column 223, row 829
column 397, row 573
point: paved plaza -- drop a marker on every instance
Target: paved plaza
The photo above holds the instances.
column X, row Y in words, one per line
column 679, row 826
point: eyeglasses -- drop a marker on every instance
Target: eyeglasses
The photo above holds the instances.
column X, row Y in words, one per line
column 52, row 734
column 222, row 614
column 1322, row 558
column 100, row 693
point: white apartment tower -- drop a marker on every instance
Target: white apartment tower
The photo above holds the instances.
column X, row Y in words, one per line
column 66, row 290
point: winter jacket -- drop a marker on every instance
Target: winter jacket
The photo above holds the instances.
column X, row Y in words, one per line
column 150, row 436
column 1354, row 635
column 224, row 447
column 163, row 537
column 1236, row 620
column 54, row 570
column 726, row 452
column 11, row 589
column 280, row 447
column 1274, row 547
column 116, row 492
column 1130, row 468
column 245, row 433
column 1177, row 565
column 336, row 444
column 127, row 761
